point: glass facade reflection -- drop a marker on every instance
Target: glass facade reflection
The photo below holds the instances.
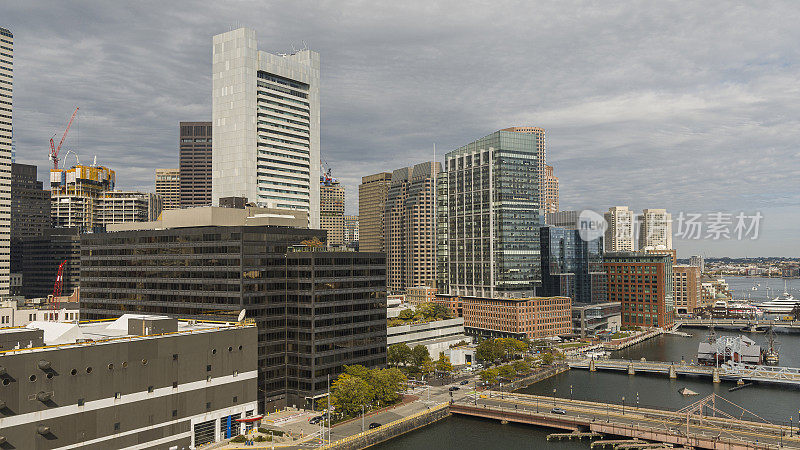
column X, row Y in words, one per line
column 572, row 267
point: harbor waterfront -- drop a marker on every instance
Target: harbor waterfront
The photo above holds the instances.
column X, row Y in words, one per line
column 774, row 403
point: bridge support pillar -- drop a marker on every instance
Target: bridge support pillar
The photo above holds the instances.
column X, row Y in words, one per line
column 672, row 372
column 631, row 370
column 592, row 367
column 715, row 375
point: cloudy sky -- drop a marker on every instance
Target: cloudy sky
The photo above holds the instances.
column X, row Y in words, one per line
column 689, row 106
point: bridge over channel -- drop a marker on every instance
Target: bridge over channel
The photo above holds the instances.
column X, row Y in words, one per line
column 750, row 324
column 729, row 371
column 702, row 424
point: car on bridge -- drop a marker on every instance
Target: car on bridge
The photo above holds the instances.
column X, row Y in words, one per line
column 374, row 425
column 557, row 411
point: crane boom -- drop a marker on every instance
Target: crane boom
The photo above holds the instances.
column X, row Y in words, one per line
column 53, row 149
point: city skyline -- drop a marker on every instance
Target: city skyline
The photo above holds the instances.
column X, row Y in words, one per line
column 711, row 131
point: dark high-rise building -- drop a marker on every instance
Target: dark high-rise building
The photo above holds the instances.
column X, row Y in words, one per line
column 195, row 164
column 571, row 266
column 315, row 310
column 40, row 256
column 30, row 203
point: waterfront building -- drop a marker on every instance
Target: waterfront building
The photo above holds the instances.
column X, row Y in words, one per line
column 492, row 218
column 571, row 266
column 265, row 122
column 713, row 289
column 194, row 145
column 409, row 227
column 331, row 197
column 134, row 382
column 655, row 229
column 437, row 336
column 549, row 197
column 416, row 295
column 316, row 311
column 588, row 320
column 563, row 219
column 619, row 234
column 168, row 187
column 6, row 154
column 372, row 194
column 643, row 285
column 697, row 261
column 519, row 318
column 686, row 288
column 351, row 231
column 39, row 258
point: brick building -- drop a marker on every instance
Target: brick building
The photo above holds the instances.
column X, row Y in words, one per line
column 642, row 284
column 686, row 285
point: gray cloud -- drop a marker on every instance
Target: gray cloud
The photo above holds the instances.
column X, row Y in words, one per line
column 681, row 105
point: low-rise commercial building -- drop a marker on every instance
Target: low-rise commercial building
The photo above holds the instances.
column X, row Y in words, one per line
column 134, row 382
column 642, row 284
column 437, row 335
column 420, row 294
column 587, row 320
column 15, row 313
column 520, row 318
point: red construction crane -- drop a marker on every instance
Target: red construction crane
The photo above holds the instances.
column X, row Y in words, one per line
column 57, row 286
column 53, row 149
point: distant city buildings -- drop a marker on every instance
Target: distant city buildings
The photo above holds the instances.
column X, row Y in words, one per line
column 491, row 212
column 372, row 194
column 351, row 231
column 37, row 259
column 30, row 210
column 6, row 155
column 550, row 191
column 563, row 219
column 655, row 229
column 418, row 295
column 74, row 194
column 194, row 145
column 686, row 288
column 619, row 234
column 697, row 261
column 168, row 187
column 331, row 216
column 265, row 121
column 643, row 285
column 409, row 227
column 571, row 266
column 126, row 206
column 135, row 382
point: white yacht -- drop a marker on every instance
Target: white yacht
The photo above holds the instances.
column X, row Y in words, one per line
column 782, row 304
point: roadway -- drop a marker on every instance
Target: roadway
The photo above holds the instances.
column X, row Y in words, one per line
column 630, row 421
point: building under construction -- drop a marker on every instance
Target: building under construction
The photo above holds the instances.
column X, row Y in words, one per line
column 83, row 197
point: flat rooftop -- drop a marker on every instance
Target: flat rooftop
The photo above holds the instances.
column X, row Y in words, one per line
column 63, row 335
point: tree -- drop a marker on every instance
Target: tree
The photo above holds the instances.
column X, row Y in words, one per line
column 350, row 393
column 547, row 359
column 441, row 311
column 489, row 375
column 406, row 314
column 419, row 355
column 506, row 372
column 399, row 354
column 521, row 367
column 489, row 351
column 443, row 364
column 313, row 242
column 386, row 385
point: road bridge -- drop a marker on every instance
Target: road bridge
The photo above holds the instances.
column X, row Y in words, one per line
column 728, row 371
column 693, row 426
column 758, row 324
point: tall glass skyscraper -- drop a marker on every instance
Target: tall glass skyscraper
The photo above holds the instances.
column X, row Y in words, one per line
column 572, row 267
column 492, row 216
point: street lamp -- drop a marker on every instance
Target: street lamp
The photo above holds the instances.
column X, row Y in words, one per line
column 554, row 397
column 362, row 417
column 570, row 392
column 623, row 405
column 637, row 399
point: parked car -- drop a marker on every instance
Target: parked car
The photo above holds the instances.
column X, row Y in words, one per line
column 374, row 425
column 454, row 388
column 465, row 382
column 557, row 411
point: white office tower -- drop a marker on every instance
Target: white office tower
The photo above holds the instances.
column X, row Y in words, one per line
column 265, row 119
column 6, row 96
column 619, row 234
column 655, row 229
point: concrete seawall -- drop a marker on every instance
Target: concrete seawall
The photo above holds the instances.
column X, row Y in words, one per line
column 390, row 430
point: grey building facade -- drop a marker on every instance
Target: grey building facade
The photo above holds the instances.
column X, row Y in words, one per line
column 492, row 216
column 30, row 203
column 315, row 311
column 122, row 384
column 571, row 266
